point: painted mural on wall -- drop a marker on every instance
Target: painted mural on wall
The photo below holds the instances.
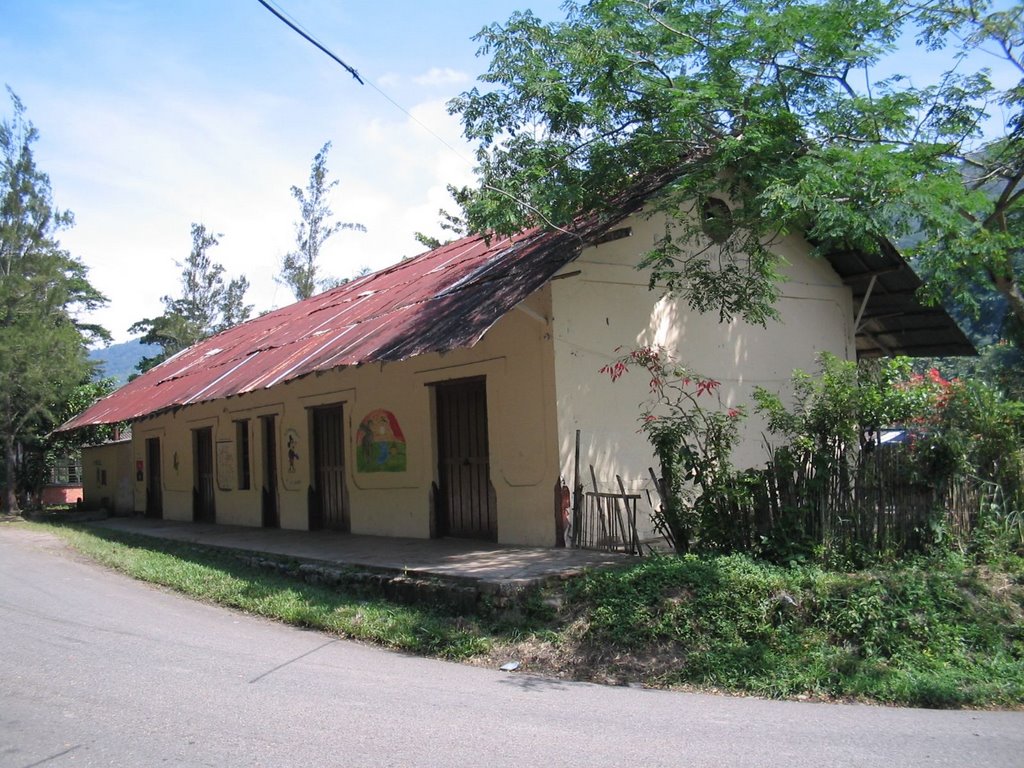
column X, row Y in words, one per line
column 291, row 475
column 380, row 443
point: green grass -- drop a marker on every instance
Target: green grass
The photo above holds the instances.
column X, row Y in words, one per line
column 932, row 632
column 210, row 575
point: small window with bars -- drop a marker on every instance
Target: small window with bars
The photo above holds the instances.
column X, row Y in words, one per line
column 66, row 470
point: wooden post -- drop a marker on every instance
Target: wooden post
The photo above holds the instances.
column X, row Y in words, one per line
column 634, row 537
column 577, row 497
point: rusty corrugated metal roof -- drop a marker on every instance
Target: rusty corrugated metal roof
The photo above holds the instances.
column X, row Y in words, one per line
column 441, row 300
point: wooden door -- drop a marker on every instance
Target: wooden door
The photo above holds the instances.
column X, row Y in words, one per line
column 466, row 505
column 271, row 511
column 329, row 507
column 203, row 510
column 154, row 483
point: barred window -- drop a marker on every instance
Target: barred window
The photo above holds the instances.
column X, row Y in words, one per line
column 66, row 470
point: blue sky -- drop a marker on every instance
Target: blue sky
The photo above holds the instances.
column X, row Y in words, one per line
column 153, row 115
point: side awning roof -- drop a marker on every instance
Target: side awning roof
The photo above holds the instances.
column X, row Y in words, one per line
column 890, row 318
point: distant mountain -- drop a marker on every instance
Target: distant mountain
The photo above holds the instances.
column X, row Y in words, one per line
column 119, row 360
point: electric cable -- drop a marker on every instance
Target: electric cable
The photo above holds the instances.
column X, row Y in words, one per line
column 295, row 27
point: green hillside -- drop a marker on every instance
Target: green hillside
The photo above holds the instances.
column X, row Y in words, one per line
column 118, row 361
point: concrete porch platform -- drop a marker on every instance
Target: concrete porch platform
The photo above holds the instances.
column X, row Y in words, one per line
column 488, row 568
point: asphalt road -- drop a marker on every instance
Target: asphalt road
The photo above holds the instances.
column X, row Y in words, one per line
column 99, row 670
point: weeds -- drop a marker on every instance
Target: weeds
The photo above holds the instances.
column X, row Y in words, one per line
column 926, row 633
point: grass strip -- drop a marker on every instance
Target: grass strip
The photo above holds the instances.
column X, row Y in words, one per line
column 210, row 575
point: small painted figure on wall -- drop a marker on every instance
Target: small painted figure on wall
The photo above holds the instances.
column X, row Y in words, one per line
column 381, row 444
column 293, row 454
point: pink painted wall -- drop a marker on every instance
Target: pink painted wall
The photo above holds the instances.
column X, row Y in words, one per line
column 61, row 494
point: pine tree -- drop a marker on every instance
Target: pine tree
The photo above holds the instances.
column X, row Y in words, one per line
column 206, row 305
column 42, row 290
column 300, row 268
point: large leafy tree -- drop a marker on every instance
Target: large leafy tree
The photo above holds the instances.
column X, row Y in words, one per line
column 300, row 268
column 792, row 111
column 42, row 451
column 207, row 305
column 42, row 291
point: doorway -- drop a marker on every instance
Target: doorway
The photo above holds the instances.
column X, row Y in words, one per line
column 466, row 504
column 154, row 483
column 328, row 499
column 203, row 509
column 271, row 513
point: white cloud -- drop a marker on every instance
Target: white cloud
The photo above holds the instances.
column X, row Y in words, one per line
column 441, row 76
column 144, row 171
column 389, row 80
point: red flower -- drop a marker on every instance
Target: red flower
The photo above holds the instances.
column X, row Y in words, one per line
column 707, row 386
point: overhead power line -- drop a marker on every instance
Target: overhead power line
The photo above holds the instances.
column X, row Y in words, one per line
column 308, row 37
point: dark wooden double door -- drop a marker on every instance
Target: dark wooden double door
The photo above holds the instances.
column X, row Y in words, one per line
column 203, row 493
column 154, row 483
column 328, row 499
column 465, row 501
column 270, row 512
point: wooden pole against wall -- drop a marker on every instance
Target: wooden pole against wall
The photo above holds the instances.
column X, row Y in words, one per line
column 577, row 495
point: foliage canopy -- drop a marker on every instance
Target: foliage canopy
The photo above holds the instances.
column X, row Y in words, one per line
column 790, row 110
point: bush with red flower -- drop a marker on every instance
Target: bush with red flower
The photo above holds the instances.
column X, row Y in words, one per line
column 693, row 435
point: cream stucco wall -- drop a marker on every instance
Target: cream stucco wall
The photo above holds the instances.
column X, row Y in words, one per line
column 106, row 477
column 608, row 305
column 515, row 358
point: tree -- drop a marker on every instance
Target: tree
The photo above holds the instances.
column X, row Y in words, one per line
column 42, row 290
column 763, row 117
column 205, row 307
column 299, row 269
column 42, row 451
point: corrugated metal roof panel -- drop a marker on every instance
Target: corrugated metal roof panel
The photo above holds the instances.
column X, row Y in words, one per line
column 894, row 321
column 441, row 300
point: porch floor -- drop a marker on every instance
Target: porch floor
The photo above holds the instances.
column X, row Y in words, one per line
column 489, row 567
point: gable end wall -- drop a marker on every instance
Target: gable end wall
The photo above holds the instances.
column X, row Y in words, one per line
column 609, row 306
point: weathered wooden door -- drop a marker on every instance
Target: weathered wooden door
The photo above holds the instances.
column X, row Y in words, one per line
column 203, row 510
column 466, row 505
column 271, row 513
column 328, row 504
column 154, row 483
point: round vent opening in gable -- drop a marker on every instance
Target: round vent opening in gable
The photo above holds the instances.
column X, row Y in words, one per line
column 716, row 219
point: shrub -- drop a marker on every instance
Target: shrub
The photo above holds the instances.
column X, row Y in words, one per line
column 692, row 441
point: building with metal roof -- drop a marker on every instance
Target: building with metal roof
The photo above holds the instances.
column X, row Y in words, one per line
column 443, row 395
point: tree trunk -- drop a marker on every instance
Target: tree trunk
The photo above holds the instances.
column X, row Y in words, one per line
column 11, row 475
